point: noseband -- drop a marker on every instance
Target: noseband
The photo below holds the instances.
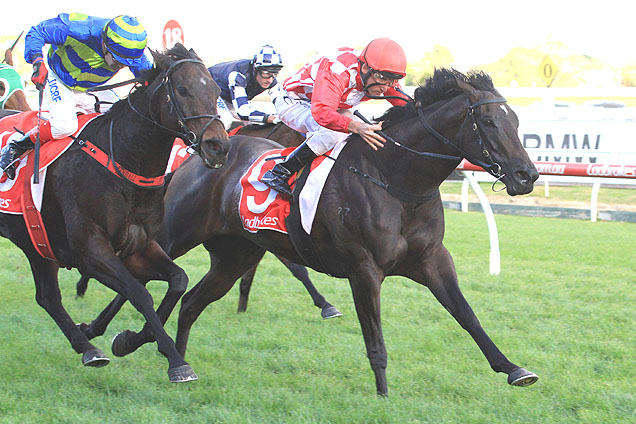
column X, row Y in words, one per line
column 186, row 134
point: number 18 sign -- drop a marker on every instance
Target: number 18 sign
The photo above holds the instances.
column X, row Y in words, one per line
column 172, row 34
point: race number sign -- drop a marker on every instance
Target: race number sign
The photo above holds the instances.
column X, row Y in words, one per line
column 172, row 34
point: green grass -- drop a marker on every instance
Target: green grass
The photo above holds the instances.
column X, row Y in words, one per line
column 563, row 307
column 579, row 193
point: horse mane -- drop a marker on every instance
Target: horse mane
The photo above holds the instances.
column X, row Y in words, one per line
column 442, row 85
column 162, row 62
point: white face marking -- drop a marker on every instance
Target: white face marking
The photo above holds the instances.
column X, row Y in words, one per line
column 504, row 109
column 203, row 81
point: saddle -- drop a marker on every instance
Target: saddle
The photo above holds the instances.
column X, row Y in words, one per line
column 261, row 208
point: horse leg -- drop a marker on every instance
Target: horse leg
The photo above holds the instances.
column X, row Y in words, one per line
column 245, row 287
column 227, row 264
column 438, row 274
column 365, row 285
column 98, row 326
column 152, row 264
column 48, row 296
column 300, row 272
column 107, row 268
column 81, row 286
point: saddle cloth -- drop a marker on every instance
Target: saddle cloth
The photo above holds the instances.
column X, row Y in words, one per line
column 262, row 208
column 11, row 190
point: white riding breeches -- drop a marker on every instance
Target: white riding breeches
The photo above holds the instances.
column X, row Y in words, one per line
column 296, row 114
column 226, row 112
column 63, row 104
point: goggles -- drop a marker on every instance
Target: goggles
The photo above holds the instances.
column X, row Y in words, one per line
column 385, row 78
column 264, row 73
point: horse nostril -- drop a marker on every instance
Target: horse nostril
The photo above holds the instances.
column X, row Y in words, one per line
column 522, row 177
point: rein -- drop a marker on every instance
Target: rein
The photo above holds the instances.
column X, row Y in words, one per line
column 492, row 167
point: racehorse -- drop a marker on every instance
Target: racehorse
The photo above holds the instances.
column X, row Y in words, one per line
column 16, row 100
column 103, row 221
column 288, row 138
column 379, row 214
column 278, row 132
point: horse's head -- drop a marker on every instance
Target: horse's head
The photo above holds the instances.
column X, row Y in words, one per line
column 188, row 105
column 489, row 134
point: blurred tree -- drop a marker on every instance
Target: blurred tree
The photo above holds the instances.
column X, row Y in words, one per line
column 629, row 76
column 418, row 70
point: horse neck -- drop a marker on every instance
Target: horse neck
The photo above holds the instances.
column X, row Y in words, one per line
column 416, row 173
column 139, row 145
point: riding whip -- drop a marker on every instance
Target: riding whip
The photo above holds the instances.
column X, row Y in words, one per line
column 36, row 149
column 13, row 45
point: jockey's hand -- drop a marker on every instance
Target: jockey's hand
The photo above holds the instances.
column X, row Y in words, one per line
column 368, row 133
column 272, row 119
column 39, row 73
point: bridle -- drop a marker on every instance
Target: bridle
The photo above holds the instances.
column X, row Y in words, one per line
column 185, row 133
column 490, row 166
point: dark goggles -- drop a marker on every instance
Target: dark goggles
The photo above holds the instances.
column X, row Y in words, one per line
column 385, row 78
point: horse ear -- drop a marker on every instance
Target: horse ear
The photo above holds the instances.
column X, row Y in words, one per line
column 194, row 54
column 161, row 60
column 464, row 86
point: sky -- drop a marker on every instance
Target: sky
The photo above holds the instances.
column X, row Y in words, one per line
column 475, row 32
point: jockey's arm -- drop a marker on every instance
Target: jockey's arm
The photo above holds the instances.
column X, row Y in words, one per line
column 244, row 108
column 325, row 102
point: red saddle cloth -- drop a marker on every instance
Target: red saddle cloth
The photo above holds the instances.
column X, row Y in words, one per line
column 11, row 190
column 20, row 195
column 262, row 208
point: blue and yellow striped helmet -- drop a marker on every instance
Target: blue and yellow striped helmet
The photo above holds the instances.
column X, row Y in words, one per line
column 125, row 39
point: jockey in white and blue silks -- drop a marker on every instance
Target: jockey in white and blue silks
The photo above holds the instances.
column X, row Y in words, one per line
column 242, row 80
column 85, row 52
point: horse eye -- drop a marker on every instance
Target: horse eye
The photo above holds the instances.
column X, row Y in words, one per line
column 489, row 123
column 182, row 91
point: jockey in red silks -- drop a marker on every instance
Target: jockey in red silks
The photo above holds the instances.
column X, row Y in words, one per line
column 316, row 101
column 85, row 52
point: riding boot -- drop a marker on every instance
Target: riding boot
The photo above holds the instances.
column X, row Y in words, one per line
column 278, row 177
column 13, row 150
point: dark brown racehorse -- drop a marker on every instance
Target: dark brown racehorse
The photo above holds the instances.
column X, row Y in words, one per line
column 380, row 213
column 17, row 100
column 105, row 224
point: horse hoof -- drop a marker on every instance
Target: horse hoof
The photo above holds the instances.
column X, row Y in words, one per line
column 521, row 377
column 330, row 312
column 181, row 374
column 94, row 358
column 119, row 347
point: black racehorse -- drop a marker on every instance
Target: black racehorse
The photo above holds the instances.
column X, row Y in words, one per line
column 379, row 214
column 104, row 223
column 287, row 137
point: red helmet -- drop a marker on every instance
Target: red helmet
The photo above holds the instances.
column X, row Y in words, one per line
column 386, row 56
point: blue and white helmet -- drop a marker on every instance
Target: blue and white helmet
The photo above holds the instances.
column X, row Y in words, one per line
column 267, row 59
